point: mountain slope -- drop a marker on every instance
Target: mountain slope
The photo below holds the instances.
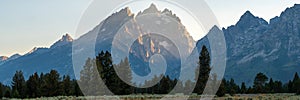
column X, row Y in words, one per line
column 60, row 55
column 254, row 46
column 57, row 57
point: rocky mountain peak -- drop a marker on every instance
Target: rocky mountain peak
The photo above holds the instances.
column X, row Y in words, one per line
column 247, row 14
column 248, row 20
column 3, row 58
column 291, row 13
column 151, row 9
column 67, row 37
column 63, row 41
column 126, row 11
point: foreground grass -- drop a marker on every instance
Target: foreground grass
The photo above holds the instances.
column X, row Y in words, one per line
column 281, row 96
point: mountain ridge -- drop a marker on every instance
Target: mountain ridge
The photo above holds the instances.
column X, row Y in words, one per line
column 253, row 45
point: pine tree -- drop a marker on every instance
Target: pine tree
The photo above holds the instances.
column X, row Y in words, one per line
column 278, row 88
column 42, row 85
column 233, row 87
column 179, row 87
column 203, row 69
column 259, row 83
column 124, row 72
column 1, row 90
column 7, row 94
column 19, row 85
column 76, row 89
column 90, row 79
column 108, row 74
column 243, row 88
column 165, row 85
column 51, row 84
column 296, row 77
column 222, row 90
column 33, row 85
column 290, row 87
column 271, row 86
column 295, row 86
column 250, row 90
column 188, row 86
column 66, row 85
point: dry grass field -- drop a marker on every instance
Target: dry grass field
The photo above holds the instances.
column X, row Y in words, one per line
column 281, row 96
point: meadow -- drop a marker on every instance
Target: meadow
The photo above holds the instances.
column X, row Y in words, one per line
column 276, row 96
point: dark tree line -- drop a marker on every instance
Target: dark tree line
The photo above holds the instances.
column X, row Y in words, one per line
column 164, row 84
column 261, row 84
column 99, row 74
column 43, row 85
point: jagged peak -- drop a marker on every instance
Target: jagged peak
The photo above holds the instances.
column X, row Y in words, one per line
column 248, row 20
column 125, row 11
column 151, row 9
column 2, row 58
column 289, row 10
column 171, row 14
column 66, row 37
column 215, row 27
column 248, row 14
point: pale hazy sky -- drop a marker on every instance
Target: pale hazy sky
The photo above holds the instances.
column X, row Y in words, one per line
column 25, row 24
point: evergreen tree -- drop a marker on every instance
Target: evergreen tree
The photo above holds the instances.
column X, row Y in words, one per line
column 51, row 84
column 259, row 83
column 233, row 87
column 66, row 86
column 243, row 88
column 179, row 87
column 296, row 77
column 295, row 86
column 124, row 72
column 33, row 85
column 6, row 91
column 213, row 85
column 108, row 74
column 188, row 86
column 203, row 69
column 222, row 90
column 76, row 89
column 16, row 94
column 7, row 94
column 19, row 85
column 250, row 90
column 290, row 87
column 165, row 85
column 271, row 86
column 90, row 80
column 278, row 88
column 1, row 90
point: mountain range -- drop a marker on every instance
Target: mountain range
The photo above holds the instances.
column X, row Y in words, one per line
column 253, row 45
